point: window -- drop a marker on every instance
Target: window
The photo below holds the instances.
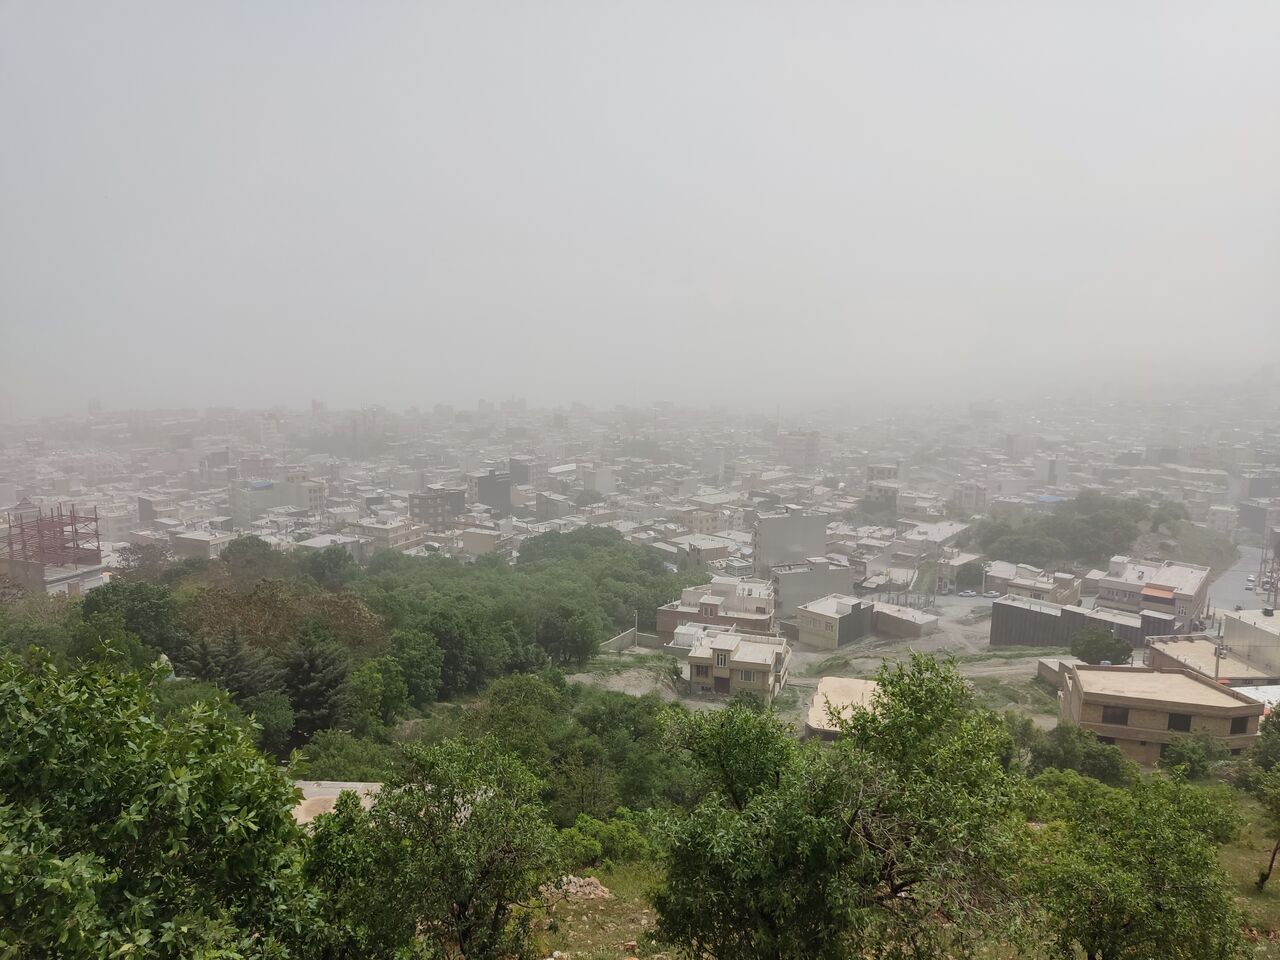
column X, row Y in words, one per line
column 722, row 659
column 1116, row 715
column 1239, row 725
column 701, row 670
column 1180, row 721
column 1106, row 739
column 748, row 676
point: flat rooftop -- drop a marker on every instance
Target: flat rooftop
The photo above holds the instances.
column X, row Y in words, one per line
column 1166, row 687
column 1255, row 619
column 843, row 694
column 1201, row 653
column 829, row 606
column 905, row 613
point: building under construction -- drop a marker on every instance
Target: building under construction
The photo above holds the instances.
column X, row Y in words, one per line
column 53, row 551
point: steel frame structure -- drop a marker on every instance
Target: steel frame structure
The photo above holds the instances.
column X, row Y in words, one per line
column 58, row 538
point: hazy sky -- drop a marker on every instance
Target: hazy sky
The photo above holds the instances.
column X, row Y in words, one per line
column 410, row 202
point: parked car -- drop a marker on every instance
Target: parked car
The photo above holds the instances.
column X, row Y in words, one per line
column 992, row 594
column 967, row 593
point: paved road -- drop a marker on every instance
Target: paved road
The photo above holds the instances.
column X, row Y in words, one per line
column 1229, row 589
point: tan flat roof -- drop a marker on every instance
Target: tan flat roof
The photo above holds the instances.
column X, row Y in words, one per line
column 843, row 693
column 1174, row 687
column 1201, row 653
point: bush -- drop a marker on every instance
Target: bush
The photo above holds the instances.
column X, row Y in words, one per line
column 1194, row 757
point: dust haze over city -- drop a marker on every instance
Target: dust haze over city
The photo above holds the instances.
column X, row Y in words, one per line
column 417, row 203
column 589, row 481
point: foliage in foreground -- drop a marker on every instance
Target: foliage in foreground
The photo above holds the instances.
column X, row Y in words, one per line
column 901, row 839
column 120, row 834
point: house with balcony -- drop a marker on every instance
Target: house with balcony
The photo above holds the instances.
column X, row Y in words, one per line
column 726, row 663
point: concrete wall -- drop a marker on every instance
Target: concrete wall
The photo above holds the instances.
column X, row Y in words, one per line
column 623, row 641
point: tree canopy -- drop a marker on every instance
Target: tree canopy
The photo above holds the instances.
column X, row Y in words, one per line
column 121, row 833
column 1099, row 645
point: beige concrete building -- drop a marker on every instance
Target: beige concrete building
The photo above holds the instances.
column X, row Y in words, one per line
column 1177, row 589
column 833, row 621
column 726, row 662
column 835, row 698
column 741, row 602
column 1217, row 660
column 389, row 532
column 1254, row 635
column 1142, row 710
column 1060, row 588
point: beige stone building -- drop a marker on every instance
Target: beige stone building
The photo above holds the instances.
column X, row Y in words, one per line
column 1142, row 710
column 831, row 622
column 726, row 662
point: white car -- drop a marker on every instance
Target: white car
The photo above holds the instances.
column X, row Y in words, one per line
column 992, row 595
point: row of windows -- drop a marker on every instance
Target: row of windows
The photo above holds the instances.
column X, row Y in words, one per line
column 1181, row 722
column 1164, row 747
column 702, row 670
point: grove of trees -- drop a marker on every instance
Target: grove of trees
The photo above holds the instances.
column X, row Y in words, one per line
column 141, row 817
column 312, row 642
column 1090, row 528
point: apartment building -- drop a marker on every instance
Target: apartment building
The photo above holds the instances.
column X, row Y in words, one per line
column 492, row 488
column 437, row 506
column 1142, row 710
column 726, row 663
column 799, row 583
column 1056, row 588
column 388, row 531
column 738, row 602
column 833, row 621
column 553, row 506
column 1172, row 587
column 787, row 536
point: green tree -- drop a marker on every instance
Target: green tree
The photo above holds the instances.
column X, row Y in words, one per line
column 420, row 659
column 146, row 562
column 1167, row 515
column 1098, row 645
column 337, row 755
column 229, row 661
column 1194, row 756
column 182, row 845
column 315, row 678
column 1267, row 790
column 333, row 568
column 249, row 560
column 457, row 842
column 273, row 714
column 1265, row 752
column 1069, row 747
column 103, row 638
column 1131, row 874
column 897, row 840
column 377, row 694
column 148, row 610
